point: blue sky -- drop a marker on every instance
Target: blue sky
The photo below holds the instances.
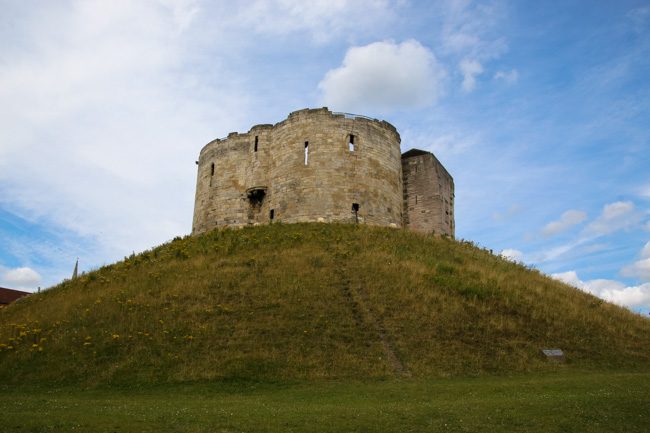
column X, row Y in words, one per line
column 540, row 111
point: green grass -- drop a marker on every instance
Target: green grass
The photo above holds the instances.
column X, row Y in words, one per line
column 310, row 302
column 560, row 402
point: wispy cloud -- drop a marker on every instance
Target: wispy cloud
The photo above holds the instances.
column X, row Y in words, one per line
column 509, row 77
column 471, row 28
column 644, row 191
column 615, row 216
column 509, row 213
column 470, row 70
column 321, row 20
column 568, row 219
column 639, row 18
column 470, row 33
column 640, row 268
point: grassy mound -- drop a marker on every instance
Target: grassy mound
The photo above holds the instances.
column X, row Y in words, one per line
column 309, row 301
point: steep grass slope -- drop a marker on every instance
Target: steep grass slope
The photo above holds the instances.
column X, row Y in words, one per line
column 310, row 301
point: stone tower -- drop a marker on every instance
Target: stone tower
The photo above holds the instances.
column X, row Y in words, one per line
column 321, row 166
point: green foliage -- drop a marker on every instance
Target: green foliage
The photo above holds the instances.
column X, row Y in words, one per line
column 309, row 301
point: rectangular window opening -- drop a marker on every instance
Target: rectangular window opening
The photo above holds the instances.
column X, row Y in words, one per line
column 212, row 169
column 272, row 214
column 351, row 143
column 355, row 211
column 306, row 152
column 256, row 142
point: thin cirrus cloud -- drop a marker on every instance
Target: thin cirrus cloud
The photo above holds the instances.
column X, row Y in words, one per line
column 470, row 69
column 615, row 216
column 321, row 20
column 641, row 268
column 469, row 31
column 384, row 76
column 568, row 219
column 509, row 77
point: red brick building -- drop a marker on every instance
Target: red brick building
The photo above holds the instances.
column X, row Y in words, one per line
column 7, row 296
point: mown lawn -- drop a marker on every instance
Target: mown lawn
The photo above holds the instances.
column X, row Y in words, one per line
column 550, row 402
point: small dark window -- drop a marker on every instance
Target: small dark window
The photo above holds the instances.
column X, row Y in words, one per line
column 212, row 169
column 272, row 214
column 306, row 152
column 355, row 211
column 351, row 143
column 256, row 142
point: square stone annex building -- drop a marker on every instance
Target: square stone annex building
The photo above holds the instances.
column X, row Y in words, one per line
column 317, row 165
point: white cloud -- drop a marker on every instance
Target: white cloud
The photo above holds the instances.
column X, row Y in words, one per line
column 640, row 268
column 100, row 124
column 470, row 70
column 322, row 20
column 615, row 216
column 609, row 290
column 567, row 220
column 21, row 278
column 570, row 278
column 512, row 255
column 509, row 77
column 384, row 76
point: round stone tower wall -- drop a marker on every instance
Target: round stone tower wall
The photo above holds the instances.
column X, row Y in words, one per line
column 304, row 168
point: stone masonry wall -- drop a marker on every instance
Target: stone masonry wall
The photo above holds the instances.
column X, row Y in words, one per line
column 261, row 176
column 428, row 194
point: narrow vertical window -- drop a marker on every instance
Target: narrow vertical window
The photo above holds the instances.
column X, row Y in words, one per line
column 351, row 143
column 271, row 214
column 306, row 152
column 212, row 169
column 355, row 211
column 256, row 142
